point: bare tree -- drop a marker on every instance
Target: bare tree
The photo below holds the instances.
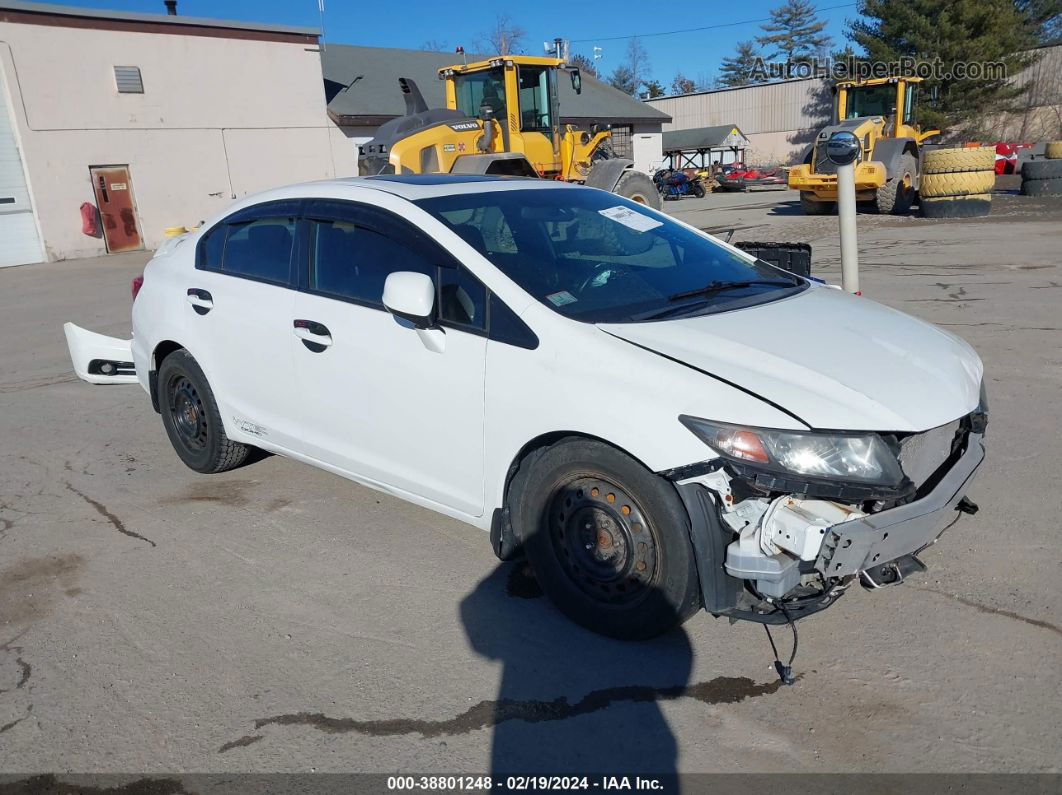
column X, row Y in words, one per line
column 504, row 37
column 630, row 75
column 435, row 45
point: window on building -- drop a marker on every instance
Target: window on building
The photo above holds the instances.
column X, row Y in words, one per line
column 128, row 80
column 621, row 140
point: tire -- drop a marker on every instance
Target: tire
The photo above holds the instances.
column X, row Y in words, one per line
column 812, row 207
column 896, row 196
column 191, row 417
column 638, row 187
column 957, row 183
column 608, row 540
column 957, row 206
column 1053, row 150
column 1041, row 169
column 1041, row 187
column 698, row 190
column 945, row 161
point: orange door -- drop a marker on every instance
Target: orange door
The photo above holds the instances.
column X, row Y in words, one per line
column 114, row 198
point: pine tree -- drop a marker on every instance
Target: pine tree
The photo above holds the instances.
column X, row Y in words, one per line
column 653, row 88
column 961, row 31
column 794, row 33
column 584, row 64
column 737, row 70
column 622, row 77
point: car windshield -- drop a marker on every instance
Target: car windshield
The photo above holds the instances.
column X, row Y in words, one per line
column 598, row 258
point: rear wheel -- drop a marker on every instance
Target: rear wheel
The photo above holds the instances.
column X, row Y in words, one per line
column 812, row 207
column 698, row 189
column 636, row 186
column 191, row 417
column 608, row 540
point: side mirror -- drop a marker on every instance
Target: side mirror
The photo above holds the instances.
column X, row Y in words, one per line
column 411, row 296
column 577, row 80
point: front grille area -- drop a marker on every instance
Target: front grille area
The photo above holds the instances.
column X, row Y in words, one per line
column 922, row 454
column 823, row 164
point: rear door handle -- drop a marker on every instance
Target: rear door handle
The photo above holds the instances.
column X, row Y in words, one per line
column 201, row 301
column 315, row 336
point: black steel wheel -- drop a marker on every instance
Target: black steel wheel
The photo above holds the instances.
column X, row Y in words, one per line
column 187, row 413
column 608, row 540
column 602, row 540
column 191, row 417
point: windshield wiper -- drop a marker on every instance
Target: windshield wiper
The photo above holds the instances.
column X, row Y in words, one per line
column 717, row 287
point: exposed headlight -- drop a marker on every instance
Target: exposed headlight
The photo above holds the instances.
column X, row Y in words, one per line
column 979, row 418
column 855, row 457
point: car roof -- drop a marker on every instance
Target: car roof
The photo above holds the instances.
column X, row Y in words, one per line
column 408, row 187
column 411, row 187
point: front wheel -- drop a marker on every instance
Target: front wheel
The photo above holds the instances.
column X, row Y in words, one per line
column 608, row 540
column 698, row 190
column 636, row 186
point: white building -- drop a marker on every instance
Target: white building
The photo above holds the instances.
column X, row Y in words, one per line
column 159, row 120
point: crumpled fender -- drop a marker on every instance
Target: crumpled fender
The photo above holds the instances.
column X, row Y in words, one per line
column 93, row 355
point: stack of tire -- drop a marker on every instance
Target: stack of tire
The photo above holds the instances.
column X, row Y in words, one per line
column 1043, row 177
column 957, row 183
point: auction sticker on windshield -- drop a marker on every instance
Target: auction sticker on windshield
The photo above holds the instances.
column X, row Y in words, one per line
column 629, row 218
column 561, row 298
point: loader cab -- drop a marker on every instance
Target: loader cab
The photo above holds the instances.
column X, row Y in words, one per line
column 521, row 92
column 892, row 99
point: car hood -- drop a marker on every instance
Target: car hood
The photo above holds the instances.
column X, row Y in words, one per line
column 834, row 360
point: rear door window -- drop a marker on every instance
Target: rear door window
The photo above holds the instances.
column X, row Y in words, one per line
column 257, row 242
column 260, row 249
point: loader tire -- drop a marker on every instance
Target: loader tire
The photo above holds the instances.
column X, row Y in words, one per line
column 957, row 206
column 1041, row 169
column 946, row 161
column 1053, row 150
column 1041, row 187
column 638, row 187
column 896, row 196
column 957, row 183
column 811, row 207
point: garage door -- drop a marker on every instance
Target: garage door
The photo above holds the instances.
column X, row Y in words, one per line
column 19, row 242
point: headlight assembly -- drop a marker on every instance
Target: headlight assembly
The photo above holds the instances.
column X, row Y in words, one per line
column 858, row 458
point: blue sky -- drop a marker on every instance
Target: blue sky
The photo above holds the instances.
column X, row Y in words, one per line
column 413, row 22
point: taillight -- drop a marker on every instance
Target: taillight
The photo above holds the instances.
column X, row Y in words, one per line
column 138, row 282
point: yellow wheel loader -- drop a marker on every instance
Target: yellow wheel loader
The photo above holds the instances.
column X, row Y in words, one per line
column 502, row 117
column 880, row 113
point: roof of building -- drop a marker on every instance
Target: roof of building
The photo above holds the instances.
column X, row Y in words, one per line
column 702, row 138
column 361, row 85
column 75, row 13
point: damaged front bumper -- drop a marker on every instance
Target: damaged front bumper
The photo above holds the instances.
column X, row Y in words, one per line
column 100, row 359
column 801, row 555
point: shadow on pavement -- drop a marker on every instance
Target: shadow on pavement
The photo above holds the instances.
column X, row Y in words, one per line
column 572, row 702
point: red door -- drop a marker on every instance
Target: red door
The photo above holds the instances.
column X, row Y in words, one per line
column 114, row 197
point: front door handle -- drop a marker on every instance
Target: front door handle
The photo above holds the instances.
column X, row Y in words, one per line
column 201, row 301
column 315, row 336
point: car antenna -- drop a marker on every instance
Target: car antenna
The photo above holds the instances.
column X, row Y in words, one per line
column 730, row 234
column 785, row 672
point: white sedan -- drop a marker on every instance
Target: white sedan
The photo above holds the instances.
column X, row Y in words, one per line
column 659, row 421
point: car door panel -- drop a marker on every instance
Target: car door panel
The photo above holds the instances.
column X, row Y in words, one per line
column 383, row 401
column 239, row 311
